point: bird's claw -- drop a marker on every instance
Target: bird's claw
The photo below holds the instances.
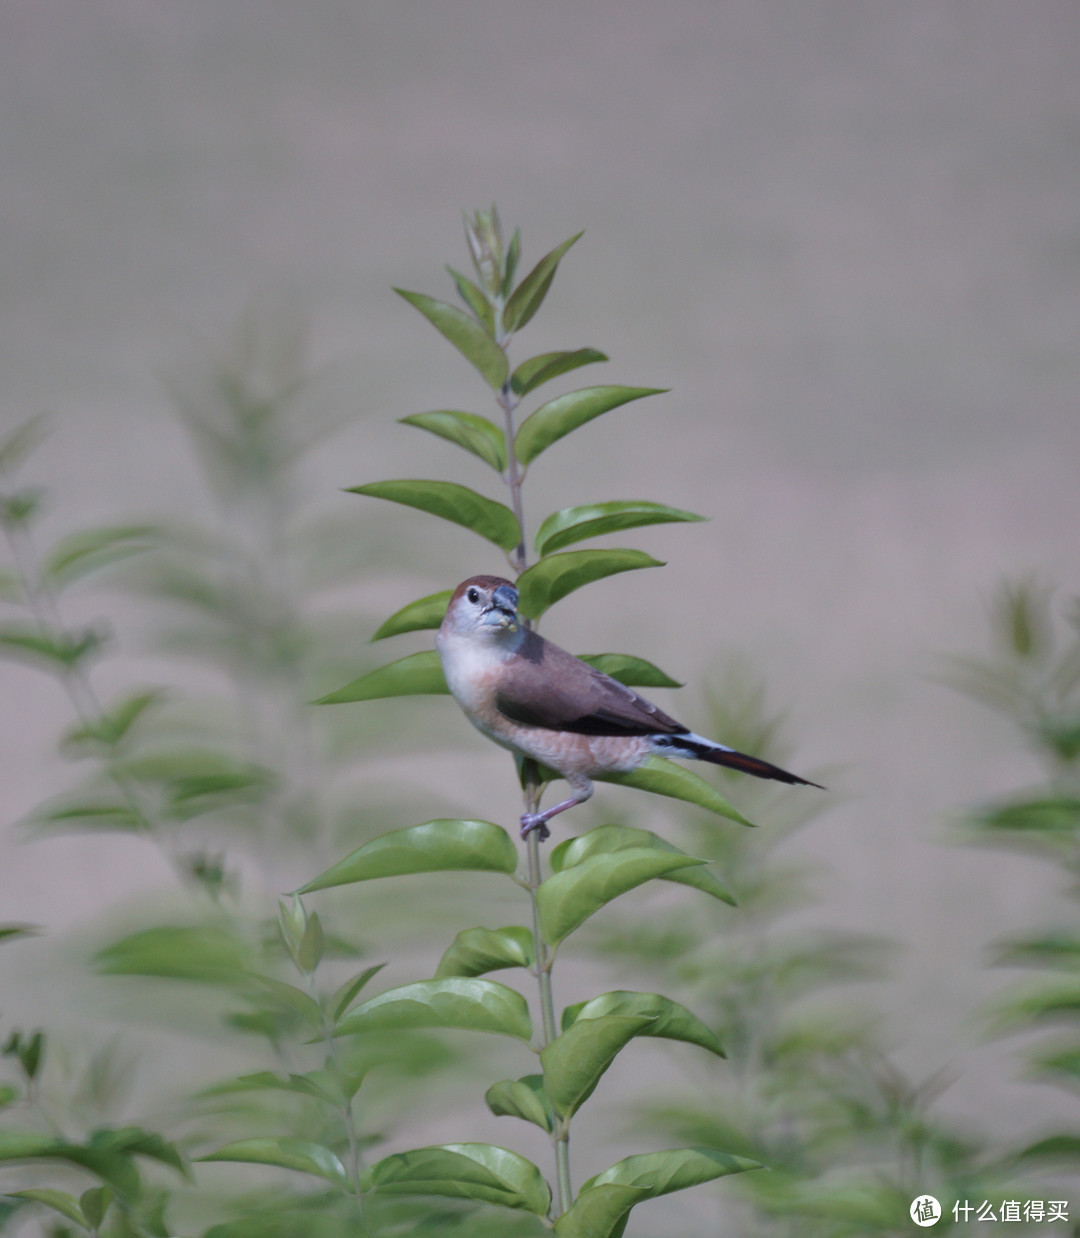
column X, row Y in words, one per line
column 534, row 821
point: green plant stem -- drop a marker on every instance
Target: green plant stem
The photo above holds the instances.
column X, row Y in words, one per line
column 532, row 791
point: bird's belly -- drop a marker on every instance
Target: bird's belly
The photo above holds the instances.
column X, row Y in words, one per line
column 587, row 756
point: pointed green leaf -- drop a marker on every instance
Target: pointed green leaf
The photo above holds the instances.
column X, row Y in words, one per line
column 94, row 1204
column 10, row 932
column 672, row 1021
column 558, row 417
column 513, row 253
column 87, row 816
column 1051, row 815
column 341, row 998
column 523, row 1098
column 203, row 953
column 529, row 295
column 1054, row 1148
column 111, row 1167
column 60, row 1201
column 446, row 845
column 474, row 299
column 575, row 1060
column 419, row 616
column 538, row 370
column 87, row 551
column 476, row 951
column 469, row 430
column 452, row 502
column 466, row 1004
column 663, row 777
column 568, row 898
column 471, row 339
column 603, row 1202
column 634, row 672
column 113, row 725
column 572, row 524
column 285, row 1152
column 265, row 1080
column 294, row 999
column 420, row 674
column 312, row 944
column 606, row 839
column 56, row 649
column 17, row 444
column 546, row 582
column 477, row 1171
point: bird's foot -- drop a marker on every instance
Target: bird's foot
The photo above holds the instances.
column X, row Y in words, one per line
column 535, row 821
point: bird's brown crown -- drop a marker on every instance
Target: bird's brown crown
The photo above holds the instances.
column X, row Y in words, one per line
column 481, row 582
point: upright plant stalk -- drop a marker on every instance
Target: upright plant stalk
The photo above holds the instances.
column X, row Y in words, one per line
column 532, row 790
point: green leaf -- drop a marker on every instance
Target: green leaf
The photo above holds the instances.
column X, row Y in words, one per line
column 285, row 1152
column 11, row 932
column 566, row 899
column 201, row 953
column 452, row 502
column 538, row 370
column 312, row 945
column 341, row 998
column 575, row 1061
column 112, row 727
column 10, row 586
column 469, row 430
column 291, row 998
column 634, row 672
column 513, row 253
column 558, row 417
column 1060, row 950
column 603, row 1202
column 572, row 524
column 523, row 1098
column 1055, row 1148
column 61, row 649
column 60, row 1201
column 111, row 1167
column 474, row 299
column 471, row 339
column 529, row 295
column 265, row 1080
column 1054, row 814
column 420, row 674
column 445, row 845
column 477, row 1171
column 672, row 1021
column 17, row 444
column 550, row 580
column 608, row 839
column 466, row 1004
column 1060, row 1062
column 82, row 553
column 9, row 1095
column 663, row 777
column 89, row 816
column 419, row 616
column 94, row 1204
column 477, row 951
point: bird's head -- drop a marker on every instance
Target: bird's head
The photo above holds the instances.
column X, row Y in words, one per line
column 483, row 606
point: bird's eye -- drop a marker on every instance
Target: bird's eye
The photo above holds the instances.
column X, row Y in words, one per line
column 473, row 595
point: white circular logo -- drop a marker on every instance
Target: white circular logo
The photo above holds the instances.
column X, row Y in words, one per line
column 925, row 1210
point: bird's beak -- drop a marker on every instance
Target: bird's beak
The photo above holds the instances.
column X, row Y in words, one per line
column 502, row 613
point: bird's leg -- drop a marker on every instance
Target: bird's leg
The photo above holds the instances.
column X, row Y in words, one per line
column 538, row 820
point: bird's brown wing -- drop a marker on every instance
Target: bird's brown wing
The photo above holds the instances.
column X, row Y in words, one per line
column 550, row 688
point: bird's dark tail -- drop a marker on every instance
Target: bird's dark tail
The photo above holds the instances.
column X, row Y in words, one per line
column 701, row 749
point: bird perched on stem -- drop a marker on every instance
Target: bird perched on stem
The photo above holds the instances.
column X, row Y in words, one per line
column 541, row 702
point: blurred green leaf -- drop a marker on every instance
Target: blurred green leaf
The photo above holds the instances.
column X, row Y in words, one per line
column 422, row 615
column 112, row 726
column 452, row 502
column 529, row 295
column 474, row 298
column 1055, row 1148
column 538, row 370
column 469, row 430
column 17, row 509
column 477, row 1171
column 84, row 552
column 1057, row 950
column 558, row 417
column 566, row 899
column 265, row 1080
column 203, row 953
column 1051, row 814
column 550, row 580
column 634, row 672
column 85, row 815
column 476, row 951
column 513, row 254
column 672, row 1021
column 467, row 1004
column 604, row 1201
column 1059, row 1062
column 17, row 444
column 60, row 1201
column 287, row 1153
column 446, row 845
column 312, row 945
column 11, row 932
column 575, row 1061
column 663, row 777
column 9, row 1095
column 10, row 586
column 94, row 1204
column 294, row 999
column 523, row 1098
column 111, row 1167
column 608, row 839
column 56, row 649
column 471, row 339
column 420, row 674
column 572, row 524
column 1043, row 1003
column 343, row 996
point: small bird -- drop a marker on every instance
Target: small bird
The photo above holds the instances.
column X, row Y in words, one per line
column 541, row 702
